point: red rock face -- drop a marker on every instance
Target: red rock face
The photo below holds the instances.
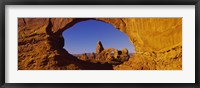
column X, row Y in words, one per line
column 40, row 43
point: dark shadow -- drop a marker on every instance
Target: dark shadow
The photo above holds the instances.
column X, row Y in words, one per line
column 65, row 59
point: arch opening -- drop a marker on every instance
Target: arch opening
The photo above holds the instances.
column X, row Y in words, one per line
column 82, row 40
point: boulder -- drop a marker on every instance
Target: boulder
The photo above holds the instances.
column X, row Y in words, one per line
column 124, row 51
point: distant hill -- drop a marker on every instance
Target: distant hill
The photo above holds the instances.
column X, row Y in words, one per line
column 94, row 53
column 81, row 54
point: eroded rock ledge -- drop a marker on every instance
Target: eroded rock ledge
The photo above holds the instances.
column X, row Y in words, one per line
column 157, row 41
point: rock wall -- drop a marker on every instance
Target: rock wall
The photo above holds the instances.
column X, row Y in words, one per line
column 157, row 41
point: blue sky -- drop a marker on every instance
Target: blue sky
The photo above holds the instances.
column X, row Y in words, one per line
column 83, row 37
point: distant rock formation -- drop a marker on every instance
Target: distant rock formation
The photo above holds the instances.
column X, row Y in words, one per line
column 111, row 55
column 124, row 51
column 125, row 55
column 92, row 56
column 84, row 57
column 99, row 47
column 105, row 55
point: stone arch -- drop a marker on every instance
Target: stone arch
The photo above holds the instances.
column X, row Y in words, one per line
column 40, row 43
column 55, row 30
column 98, row 24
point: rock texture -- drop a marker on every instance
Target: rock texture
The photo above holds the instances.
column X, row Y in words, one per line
column 157, row 42
column 122, row 55
column 92, row 57
column 99, row 47
column 107, row 56
column 124, row 51
column 84, row 57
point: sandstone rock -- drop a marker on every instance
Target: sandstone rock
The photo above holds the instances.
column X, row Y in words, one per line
column 112, row 56
column 124, row 51
column 155, row 60
column 99, row 47
column 84, row 57
column 105, row 55
column 117, row 53
column 121, row 55
column 40, row 43
column 92, row 56
column 124, row 57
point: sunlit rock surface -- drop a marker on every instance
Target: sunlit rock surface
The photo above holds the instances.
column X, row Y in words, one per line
column 99, row 47
column 157, row 42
